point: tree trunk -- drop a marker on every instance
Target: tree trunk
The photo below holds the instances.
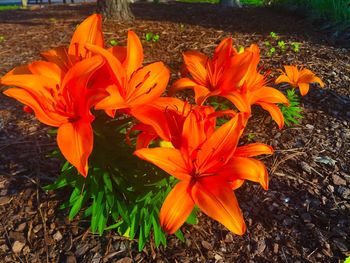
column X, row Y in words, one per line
column 24, row 3
column 115, row 9
column 230, row 3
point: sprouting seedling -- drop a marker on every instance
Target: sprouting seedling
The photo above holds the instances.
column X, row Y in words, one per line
column 151, row 37
column 250, row 137
column 155, row 38
column 267, row 43
column 273, row 35
column 271, row 52
column 113, row 42
column 295, row 47
column 282, row 45
column 182, row 27
column 2, row 38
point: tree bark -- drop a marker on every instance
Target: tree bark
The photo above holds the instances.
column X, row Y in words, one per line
column 230, row 3
column 24, row 3
column 115, row 9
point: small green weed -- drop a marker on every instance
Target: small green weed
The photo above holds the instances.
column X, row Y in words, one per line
column 282, row 45
column 151, row 37
column 292, row 112
column 295, row 46
column 113, row 42
column 271, row 52
column 274, row 36
column 250, row 137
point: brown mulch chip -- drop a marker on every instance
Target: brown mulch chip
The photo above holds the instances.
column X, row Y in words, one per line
column 303, row 217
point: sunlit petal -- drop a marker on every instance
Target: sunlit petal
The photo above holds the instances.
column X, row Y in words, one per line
column 274, row 111
column 245, row 169
column 253, row 149
column 75, row 141
column 168, row 159
column 216, row 199
column 176, row 208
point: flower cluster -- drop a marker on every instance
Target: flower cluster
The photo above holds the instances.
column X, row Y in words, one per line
column 69, row 85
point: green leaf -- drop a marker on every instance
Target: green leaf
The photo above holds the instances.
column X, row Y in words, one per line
column 192, row 218
column 113, row 42
column 142, row 241
column 76, row 206
column 102, row 221
column 134, row 217
column 87, row 212
column 114, row 225
column 97, row 208
column 107, row 180
column 155, row 38
column 123, row 211
column 149, row 36
column 60, row 182
column 159, row 236
column 179, row 235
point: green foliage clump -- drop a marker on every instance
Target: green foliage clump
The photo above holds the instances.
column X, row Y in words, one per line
column 292, row 112
column 120, row 193
column 151, row 37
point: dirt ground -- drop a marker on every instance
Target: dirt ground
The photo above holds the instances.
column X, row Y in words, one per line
column 303, row 217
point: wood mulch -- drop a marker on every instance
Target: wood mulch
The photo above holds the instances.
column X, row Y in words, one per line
column 303, row 217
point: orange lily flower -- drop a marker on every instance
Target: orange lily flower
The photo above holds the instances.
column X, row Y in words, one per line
column 299, row 78
column 61, row 100
column 209, row 165
column 132, row 88
column 212, row 77
column 233, row 76
column 88, row 32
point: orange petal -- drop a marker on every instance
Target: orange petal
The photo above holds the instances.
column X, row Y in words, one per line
column 223, row 52
column 235, row 184
column 168, row 159
column 196, row 64
column 216, row 199
column 78, row 76
column 234, row 74
column 180, row 84
column 25, row 97
column 284, row 78
column 274, row 111
column 75, row 141
column 46, row 69
column 147, row 84
column 153, row 116
column 176, row 208
column 88, row 32
column 240, row 101
column 253, row 149
column 38, row 86
column 21, row 70
column 118, row 72
column 220, row 146
column 269, row 95
column 113, row 101
column 59, row 56
column 245, row 169
column 304, row 88
column 119, row 52
column 134, row 56
column 292, row 73
column 193, row 133
column 202, row 93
